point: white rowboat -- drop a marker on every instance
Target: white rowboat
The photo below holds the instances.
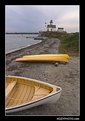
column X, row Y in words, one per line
column 23, row 93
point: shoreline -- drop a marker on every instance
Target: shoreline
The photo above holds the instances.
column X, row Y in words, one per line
column 15, row 50
column 65, row 76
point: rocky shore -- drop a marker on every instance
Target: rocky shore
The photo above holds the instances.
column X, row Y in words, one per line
column 66, row 76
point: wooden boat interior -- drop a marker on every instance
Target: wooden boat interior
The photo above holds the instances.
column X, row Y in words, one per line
column 20, row 91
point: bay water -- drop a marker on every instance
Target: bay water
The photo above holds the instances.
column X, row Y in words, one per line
column 17, row 41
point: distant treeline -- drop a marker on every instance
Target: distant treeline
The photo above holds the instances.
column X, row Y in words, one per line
column 21, row 33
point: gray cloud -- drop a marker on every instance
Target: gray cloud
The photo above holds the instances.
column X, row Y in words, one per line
column 32, row 18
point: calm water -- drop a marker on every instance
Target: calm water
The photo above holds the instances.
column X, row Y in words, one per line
column 16, row 41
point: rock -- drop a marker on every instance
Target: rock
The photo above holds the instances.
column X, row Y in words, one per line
column 57, row 63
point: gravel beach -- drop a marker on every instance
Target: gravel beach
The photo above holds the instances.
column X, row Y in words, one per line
column 66, row 76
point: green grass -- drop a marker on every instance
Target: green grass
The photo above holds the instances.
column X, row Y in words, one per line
column 69, row 42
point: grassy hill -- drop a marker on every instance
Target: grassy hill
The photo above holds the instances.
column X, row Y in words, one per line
column 69, row 42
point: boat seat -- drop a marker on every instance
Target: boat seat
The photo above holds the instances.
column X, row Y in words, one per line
column 10, row 87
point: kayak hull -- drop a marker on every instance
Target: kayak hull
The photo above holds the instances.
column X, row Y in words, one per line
column 43, row 58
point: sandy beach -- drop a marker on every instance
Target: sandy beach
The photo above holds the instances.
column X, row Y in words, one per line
column 66, row 76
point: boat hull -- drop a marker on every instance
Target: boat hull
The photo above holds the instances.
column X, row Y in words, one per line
column 44, row 58
column 47, row 55
column 51, row 99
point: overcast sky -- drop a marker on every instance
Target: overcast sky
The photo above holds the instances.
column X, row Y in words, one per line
column 32, row 18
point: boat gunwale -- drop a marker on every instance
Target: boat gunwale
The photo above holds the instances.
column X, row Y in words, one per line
column 34, row 80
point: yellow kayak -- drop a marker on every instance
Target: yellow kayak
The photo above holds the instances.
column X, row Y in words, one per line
column 42, row 58
column 48, row 55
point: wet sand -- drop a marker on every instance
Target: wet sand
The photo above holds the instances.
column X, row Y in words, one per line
column 66, row 76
